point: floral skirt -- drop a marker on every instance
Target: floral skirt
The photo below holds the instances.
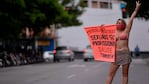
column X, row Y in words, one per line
column 123, row 57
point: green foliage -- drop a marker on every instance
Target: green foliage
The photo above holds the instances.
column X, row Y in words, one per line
column 74, row 10
column 36, row 14
column 9, row 18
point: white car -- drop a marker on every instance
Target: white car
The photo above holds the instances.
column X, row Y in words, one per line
column 88, row 53
column 63, row 53
column 48, row 56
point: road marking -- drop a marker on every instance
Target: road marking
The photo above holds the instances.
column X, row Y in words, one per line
column 86, row 70
column 96, row 66
column 77, row 65
column 71, row 76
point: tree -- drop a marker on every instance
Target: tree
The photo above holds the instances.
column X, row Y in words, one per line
column 36, row 14
column 74, row 9
column 10, row 13
column 144, row 10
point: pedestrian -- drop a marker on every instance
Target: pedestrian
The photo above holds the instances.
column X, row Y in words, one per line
column 137, row 51
column 123, row 56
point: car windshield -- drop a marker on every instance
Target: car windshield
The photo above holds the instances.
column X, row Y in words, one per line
column 61, row 48
column 88, row 47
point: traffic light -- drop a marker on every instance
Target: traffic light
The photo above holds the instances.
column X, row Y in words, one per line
column 67, row 8
column 123, row 9
column 124, row 13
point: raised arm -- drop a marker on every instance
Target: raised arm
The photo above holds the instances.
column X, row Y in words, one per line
column 130, row 22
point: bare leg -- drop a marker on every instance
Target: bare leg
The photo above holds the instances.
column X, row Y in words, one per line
column 113, row 69
column 125, row 73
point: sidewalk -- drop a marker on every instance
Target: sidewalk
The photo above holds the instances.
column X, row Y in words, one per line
column 143, row 56
column 147, row 60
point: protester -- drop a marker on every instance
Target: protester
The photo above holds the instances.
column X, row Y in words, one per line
column 123, row 56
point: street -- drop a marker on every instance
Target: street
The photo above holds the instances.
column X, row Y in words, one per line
column 49, row 24
column 76, row 72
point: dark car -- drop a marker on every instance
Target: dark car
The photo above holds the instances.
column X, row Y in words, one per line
column 63, row 53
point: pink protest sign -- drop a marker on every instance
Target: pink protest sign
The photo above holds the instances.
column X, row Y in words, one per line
column 103, row 41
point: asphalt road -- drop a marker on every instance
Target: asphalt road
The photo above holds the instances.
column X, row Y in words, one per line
column 76, row 72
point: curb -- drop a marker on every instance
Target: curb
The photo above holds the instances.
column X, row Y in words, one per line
column 147, row 60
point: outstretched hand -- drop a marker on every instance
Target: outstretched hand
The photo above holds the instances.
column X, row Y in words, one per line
column 138, row 4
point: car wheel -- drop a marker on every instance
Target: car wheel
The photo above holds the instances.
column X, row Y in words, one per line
column 85, row 60
column 69, row 59
column 58, row 60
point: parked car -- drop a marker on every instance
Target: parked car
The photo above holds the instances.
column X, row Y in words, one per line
column 63, row 53
column 88, row 53
column 48, row 56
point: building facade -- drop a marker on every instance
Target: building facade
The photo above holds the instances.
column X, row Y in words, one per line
column 99, row 3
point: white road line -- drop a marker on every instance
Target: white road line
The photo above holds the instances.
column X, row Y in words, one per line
column 77, row 65
column 71, row 76
column 86, row 70
column 96, row 66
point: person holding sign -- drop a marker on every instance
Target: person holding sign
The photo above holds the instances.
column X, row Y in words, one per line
column 123, row 56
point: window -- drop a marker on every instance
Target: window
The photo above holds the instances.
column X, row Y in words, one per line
column 99, row 4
